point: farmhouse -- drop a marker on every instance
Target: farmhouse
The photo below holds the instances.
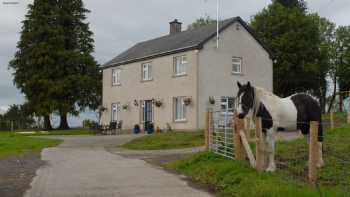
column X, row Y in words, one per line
column 170, row 81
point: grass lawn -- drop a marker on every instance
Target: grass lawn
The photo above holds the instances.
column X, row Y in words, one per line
column 73, row 131
column 170, row 140
column 234, row 178
column 12, row 144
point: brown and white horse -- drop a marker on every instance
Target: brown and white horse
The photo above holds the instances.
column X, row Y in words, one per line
column 279, row 114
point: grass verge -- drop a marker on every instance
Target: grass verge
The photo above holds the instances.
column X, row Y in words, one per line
column 73, row 131
column 171, row 140
column 12, row 144
column 234, row 178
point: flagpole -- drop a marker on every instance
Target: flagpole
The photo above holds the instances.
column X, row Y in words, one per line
column 217, row 24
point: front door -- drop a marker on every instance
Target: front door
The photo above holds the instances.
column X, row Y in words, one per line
column 148, row 115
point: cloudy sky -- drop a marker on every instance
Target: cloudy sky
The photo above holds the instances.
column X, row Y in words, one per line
column 118, row 24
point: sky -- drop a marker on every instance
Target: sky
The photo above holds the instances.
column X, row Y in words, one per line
column 119, row 24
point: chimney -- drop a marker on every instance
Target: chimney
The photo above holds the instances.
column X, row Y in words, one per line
column 175, row 27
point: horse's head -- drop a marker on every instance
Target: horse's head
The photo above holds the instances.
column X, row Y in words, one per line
column 245, row 99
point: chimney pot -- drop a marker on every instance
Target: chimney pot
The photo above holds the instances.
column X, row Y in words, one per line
column 175, row 27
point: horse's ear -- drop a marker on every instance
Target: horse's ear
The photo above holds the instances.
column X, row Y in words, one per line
column 248, row 84
column 239, row 84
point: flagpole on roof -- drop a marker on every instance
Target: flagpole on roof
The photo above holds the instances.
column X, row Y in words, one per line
column 217, row 24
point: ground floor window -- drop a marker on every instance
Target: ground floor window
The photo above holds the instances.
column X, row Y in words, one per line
column 179, row 109
column 115, row 116
column 227, row 104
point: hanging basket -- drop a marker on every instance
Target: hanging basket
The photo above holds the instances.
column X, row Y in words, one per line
column 188, row 101
column 211, row 100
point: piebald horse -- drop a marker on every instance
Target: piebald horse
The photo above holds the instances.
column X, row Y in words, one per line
column 279, row 114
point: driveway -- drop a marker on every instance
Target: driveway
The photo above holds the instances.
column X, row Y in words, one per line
column 81, row 166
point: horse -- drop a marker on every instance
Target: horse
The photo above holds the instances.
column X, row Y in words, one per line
column 279, row 114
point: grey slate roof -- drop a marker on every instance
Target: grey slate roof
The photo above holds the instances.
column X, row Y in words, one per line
column 170, row 44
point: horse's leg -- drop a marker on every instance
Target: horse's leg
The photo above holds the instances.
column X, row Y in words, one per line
column 270, row 138
column 320, row 161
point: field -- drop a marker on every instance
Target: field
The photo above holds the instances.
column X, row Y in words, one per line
column 170, row 140
column 12, row 144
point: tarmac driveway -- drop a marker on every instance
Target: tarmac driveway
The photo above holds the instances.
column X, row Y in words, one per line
column 81, row 166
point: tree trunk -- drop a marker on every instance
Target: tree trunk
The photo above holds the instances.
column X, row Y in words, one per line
column 63, row 121
column 47, row 122
column 333, row 96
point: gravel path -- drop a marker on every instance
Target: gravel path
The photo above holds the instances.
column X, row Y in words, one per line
column 81, row 166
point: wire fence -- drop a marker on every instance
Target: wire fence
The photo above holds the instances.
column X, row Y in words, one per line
column 292, row 150
column 16, row 125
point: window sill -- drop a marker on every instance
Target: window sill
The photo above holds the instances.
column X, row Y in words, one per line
column 146, row 80
column 179, row 75
column 237, row 73
column 117, row 84
column 180, row 121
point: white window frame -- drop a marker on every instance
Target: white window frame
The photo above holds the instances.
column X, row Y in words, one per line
column 224, row 105
column 146, row 71
column 237, row 65
column 115, row 112
column 180, row 65
column 180, row 109
column 116, row 76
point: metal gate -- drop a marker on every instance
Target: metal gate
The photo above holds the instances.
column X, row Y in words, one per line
column 221, row 133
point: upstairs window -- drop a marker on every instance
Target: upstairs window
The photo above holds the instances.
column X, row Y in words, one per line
column 180, row 64
column 146, row 71
column 116, row 77
column 236, row 65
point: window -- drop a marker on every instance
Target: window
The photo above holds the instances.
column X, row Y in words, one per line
column 115, row 112
column 236, row 65
column 227, row 104
column 180, row 63
column 146, row 72
column 180, row 109
column 116, row 77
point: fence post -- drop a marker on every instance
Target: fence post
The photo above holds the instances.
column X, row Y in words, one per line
column 313, row 152
column 247, row 128
column 239, row 150
column 208, row 117
column 332, row 119
column 349, row 109
column 260, row 146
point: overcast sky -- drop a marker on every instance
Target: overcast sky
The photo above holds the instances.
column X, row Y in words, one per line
column 118, row 24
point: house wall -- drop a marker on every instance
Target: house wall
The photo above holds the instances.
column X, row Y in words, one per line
column 215, row 67
column 164, row 86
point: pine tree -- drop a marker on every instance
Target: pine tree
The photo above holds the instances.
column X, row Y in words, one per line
column 37, row 56
column 79, row 84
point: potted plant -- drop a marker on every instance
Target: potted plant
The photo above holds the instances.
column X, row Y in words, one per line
column 211, row 100
column 125, row 107
column 136, row 129
column 136, row 103
column 158, row 103
column 187, row 101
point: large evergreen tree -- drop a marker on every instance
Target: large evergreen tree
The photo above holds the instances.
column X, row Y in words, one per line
column 293, row 36
column 53, row 66
column 35, row 62
column 79, row 80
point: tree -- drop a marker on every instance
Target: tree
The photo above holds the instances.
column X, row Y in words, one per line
column 326, row 59
column 35, row 62
column 79, row 80
column 293, row 36
column 19, row 116
column 202, row 21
